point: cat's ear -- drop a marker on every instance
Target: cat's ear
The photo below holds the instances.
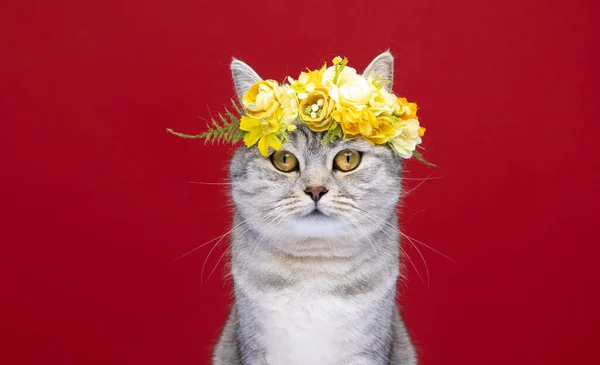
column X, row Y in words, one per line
column 382, row 65
column 243, row 77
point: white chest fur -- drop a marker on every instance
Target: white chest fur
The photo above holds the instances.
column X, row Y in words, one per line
column 302, row 327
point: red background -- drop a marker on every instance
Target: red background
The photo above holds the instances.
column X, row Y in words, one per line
column 96, row 204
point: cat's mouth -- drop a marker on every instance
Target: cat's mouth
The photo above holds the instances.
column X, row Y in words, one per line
column 316, row 213
column 317, row 223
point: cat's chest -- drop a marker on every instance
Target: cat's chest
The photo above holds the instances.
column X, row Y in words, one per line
column 306, row 328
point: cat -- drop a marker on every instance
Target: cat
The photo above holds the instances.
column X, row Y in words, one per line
column 315, row 251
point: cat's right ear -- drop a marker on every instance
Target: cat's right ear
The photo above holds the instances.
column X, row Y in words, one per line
column 382, row 65
column 243, row 77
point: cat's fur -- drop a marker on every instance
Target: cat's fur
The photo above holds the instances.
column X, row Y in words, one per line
column 315, row 290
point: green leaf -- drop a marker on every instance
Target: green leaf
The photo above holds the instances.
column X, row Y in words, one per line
column 334, row 132
column 285, row 137
column 224, row 128
column 182, row 135
column 419, row 157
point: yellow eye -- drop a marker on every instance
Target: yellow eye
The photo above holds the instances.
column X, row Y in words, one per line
column 284, row 161
column 347, row 160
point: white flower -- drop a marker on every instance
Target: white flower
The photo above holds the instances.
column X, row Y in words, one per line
column 407, row 138
column 289, row 104
column 303, row 85
column 349, row 87
column 355, row 91
column 381, row 100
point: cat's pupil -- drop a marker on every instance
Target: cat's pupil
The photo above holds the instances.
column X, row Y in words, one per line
column 347, row 157
column 284, row 158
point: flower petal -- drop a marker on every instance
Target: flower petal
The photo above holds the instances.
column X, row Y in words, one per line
column 303, row 79
column 251, row 138
column 263, row 146
column 247, row 123
column 275, row 142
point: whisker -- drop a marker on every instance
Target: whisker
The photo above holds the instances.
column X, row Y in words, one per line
column 400, row 232
column 206, row 260
column 207, row 242
column 405, row 253
column 361, row 229
column 427, row 246
column 422, row 178
column 207, row 183
column 410, row 241
column 219, row 261
column 215, row 245
column 420, row 254
column 418, row 185
column 264, row 233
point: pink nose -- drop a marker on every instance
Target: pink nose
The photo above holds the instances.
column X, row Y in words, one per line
column 316, row 192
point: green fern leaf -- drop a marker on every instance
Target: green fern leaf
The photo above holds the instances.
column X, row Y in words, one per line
column 224, row 128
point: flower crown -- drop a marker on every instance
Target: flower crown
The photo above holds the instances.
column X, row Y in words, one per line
column 334, row 100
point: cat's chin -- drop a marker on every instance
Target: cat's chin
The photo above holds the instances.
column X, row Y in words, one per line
column 316, row 225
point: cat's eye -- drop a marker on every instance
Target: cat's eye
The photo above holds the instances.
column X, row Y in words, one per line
column 284, row 161
column 347, row 160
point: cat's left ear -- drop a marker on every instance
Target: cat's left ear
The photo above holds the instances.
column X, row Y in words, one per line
column 382, row 65
column 243, row 77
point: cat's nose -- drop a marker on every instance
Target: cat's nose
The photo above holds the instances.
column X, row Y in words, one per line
column 316, row 192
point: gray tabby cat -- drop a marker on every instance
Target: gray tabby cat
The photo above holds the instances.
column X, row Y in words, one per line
column 315, row 251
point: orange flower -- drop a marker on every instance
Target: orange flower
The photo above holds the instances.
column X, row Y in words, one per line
column 383, row 132
column 355, row 122
column 405, row 110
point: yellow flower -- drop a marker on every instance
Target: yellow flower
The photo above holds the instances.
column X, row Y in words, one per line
column 405, row 110
column 407, row 138
column 260, row 101
column 314, row 110
column 261, row 131
column 315, row 76
column 307, row 82
column 383, row 131
column 355, row 122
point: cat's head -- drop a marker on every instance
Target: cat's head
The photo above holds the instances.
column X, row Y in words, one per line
column 309, row 191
